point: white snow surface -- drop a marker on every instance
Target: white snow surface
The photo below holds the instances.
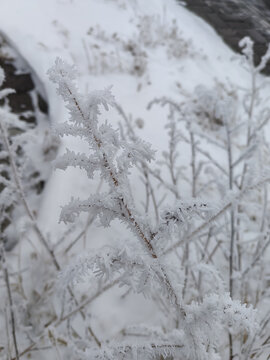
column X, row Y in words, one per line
column 44, row 30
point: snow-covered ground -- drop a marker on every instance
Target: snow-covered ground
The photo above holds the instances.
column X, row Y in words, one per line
column 44, row 30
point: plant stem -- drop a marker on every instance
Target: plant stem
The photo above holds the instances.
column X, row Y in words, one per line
column 10, row 300
column 36, row 227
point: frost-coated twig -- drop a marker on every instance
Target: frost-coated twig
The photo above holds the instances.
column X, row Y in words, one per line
column 215, row 217
column 111, row 157
column 143, row 165
column 126, row 214
column 250, row 111
column 58, row 322
column 232, row 228
column 203, row 257
column 89, row 222
column 167, row 185
column 256, row 259
column 264, row 211
column 172, row 151
column 10, row 300
column 149, row 192
column 200, row 228
column 206, row 154
column 19, row 189
column 259, row 332
column 232, row 225
column 87, row 302
column 194, row 175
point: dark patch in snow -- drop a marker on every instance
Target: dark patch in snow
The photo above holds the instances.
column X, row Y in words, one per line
column 32, row 108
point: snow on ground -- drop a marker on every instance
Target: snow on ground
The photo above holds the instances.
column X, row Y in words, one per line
column 44, row 30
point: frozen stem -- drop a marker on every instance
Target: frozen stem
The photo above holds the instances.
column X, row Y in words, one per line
column 10, row 300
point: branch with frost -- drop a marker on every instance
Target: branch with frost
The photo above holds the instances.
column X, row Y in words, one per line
column 105, row 143
column 199, row 339
column 223, row 313
column 233, row 200
column 89, row 163
column 14, row 183
column 139, row 273
column 21, row 194
column 112, row 157
column 130, row 350
column 247, row 45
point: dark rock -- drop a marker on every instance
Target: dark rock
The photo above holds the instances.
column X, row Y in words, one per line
column 21, row 80
column 42, row 104
column 234, row 20
column 267, row 3
column 29, row 119
column 20, row 83
column 20, row 102
column 8, row 66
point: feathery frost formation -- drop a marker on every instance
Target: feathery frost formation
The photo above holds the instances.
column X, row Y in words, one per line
column 192, row 245
column 139, row 262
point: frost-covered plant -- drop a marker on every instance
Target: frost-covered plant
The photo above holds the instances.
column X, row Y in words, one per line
column 24, row 156
column 225, row 135
column 113, row 53
column 183, row 256
column 154, row 31
column 116, row 53
column 143, row 263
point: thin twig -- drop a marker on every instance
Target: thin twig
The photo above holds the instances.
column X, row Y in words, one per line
column 215, row 217
column 10, row 300
column 87, row 302
column 28, row 210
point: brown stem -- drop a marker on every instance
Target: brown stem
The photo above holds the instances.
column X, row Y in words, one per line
column 127, row 212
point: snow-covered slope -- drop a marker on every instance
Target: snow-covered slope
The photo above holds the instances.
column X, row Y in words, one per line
column 43, row 30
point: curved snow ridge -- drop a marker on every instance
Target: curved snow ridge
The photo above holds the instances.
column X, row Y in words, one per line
column 44, row 30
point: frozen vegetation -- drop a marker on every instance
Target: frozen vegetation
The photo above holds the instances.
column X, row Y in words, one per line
column 152, row 240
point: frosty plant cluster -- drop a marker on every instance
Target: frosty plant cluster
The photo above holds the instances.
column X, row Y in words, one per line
column 231, row 122
column 148, row 272
column 131, row 54
column 201, row 262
